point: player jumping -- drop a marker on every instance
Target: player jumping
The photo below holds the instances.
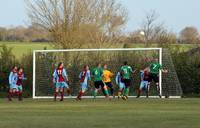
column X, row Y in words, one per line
column 155, row 67
column 84, row 78
column 12, row 83
column 145, row 82
column 98, row 82
column 107, row 75
column 126, row 72
column 21, row 77
column 59, row 78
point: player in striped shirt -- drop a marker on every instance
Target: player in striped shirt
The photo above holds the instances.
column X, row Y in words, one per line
column 84, row 78
column 60, row 78
column 12, row 83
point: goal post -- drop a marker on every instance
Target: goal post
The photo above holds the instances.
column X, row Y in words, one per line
column 44, row 62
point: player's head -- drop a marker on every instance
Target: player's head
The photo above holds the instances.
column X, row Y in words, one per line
column 156, row 60
column 86, row 67
column 125, row 63
column 14, row 68
column 61, row 65
column 99, row 65
column 105, row 66
column 20, row 69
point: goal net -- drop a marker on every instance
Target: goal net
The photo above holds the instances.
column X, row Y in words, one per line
column 45, row 62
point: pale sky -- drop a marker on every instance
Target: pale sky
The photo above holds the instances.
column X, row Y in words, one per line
column 176, row 14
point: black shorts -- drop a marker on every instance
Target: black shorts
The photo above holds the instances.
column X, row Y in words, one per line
column 98, row 84
column 154, row 77
column 109, row 84
column 127, row 82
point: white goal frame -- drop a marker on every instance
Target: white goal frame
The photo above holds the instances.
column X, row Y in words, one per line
column 90, row 50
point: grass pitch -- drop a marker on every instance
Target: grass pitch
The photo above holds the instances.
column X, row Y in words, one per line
column 134, row 113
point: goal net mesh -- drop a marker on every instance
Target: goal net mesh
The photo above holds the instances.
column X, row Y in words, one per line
column 45, row 63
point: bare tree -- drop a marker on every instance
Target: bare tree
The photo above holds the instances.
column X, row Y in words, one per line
column 189, row 35
column 75, row 23
column 155, row 31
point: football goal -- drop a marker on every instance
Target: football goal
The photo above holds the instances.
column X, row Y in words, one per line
column 45, row 62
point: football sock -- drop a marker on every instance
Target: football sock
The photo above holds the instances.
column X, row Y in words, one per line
column 106, row 91
column 9, row 95
column 56, row 94
column 95, row 93
column 139, row 91
column 126, row 91
column 80, row 94
column 62, row 95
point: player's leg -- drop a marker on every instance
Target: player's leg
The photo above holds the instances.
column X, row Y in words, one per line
column 62, row 89
column 104, row 89
column 56, row 91
column 96, row 89
column 109, row 85
column 156, row 80
column 127, row 88
column 82, row 91
column 10, row 91
column 121, row 89
column 147, row 89
column 20, row 92
column 142, row 85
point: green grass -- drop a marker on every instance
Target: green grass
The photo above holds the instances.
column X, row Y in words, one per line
column 21, row 48
column 134, row 113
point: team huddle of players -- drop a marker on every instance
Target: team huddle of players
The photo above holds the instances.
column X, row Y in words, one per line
column 100, row 76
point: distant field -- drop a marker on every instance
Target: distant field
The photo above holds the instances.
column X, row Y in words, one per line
column 20, row 48
column 134, row 113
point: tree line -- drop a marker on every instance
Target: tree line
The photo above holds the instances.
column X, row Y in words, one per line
column 32, row 33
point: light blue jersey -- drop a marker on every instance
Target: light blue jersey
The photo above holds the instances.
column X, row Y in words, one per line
column 84, row 77
column 13, row 80
column 60, row 76
column 118, row 80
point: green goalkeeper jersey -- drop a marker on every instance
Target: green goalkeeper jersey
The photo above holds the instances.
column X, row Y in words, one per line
column 126, row 70
column 155, row 68
column 97, row 73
